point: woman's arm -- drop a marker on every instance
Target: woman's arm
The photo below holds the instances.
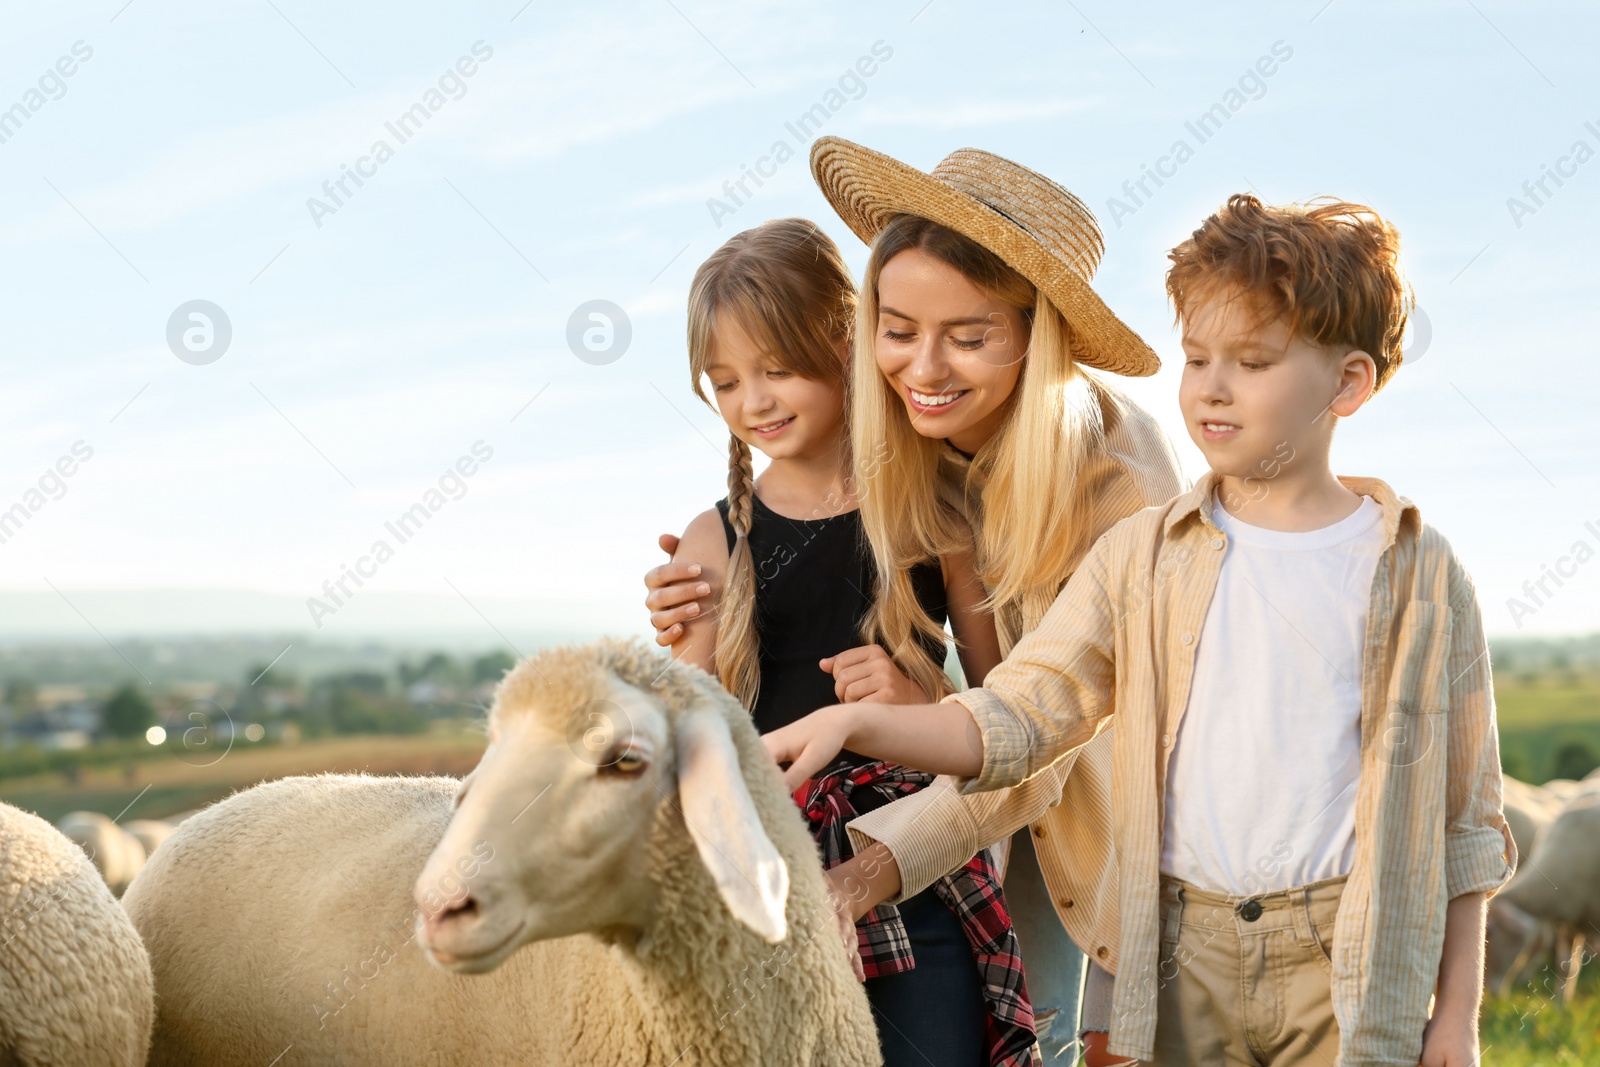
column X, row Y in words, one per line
column 977, row 644
column 705, row 543
column 866, row 879
column 935, row 830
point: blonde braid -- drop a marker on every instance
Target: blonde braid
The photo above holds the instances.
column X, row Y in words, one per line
column 737, row 658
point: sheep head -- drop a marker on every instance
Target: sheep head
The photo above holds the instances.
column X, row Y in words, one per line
column 551, row 830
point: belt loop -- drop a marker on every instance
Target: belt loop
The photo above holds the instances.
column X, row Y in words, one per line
column 1304, row 933
column 1174, row 916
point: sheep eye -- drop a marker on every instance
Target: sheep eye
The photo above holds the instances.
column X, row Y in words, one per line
column 630, row 763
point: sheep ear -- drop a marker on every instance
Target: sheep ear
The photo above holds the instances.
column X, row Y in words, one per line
column 750, row 876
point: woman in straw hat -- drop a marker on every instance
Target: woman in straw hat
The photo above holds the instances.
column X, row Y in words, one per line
column 974, row 328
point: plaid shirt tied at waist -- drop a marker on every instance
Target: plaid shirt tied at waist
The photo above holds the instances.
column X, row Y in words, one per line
column 972, row 892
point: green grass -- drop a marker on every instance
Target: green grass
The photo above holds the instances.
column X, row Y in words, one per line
column 1531, row 1027
column 1538, row 715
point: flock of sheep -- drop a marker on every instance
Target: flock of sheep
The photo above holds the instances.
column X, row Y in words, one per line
column 663, row 899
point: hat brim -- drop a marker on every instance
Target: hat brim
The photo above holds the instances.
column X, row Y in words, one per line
column 868, row 188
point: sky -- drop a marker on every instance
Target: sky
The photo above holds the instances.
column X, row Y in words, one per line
column 385, row 338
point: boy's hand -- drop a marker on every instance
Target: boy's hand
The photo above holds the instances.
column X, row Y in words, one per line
column 867, row 673
column 809, row 744
column 1448, row 1041
column 675, row 589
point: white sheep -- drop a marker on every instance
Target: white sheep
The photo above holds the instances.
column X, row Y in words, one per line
column 150, row 832
column 116, row 853
column 75, row 982
column 1559, row 882
column 1520, row 946
column 1528, row 808
column 1515, row 941
column 651, row 892
column 1567, row 791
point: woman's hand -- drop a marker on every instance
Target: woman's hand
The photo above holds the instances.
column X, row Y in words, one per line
column 868, row 673
column 810, row 744
column 675, row 589
column 844, row 920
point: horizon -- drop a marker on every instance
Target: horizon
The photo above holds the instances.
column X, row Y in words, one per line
column 60, row 618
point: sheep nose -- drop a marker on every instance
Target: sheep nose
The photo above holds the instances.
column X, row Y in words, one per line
column 465, row 908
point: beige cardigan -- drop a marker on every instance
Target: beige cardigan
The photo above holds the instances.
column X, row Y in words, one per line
column 936, row 830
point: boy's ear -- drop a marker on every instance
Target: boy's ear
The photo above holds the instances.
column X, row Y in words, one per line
column 1358, row 376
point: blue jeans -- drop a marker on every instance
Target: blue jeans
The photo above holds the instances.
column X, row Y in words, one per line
column 934, row 1014
column 1053, row 964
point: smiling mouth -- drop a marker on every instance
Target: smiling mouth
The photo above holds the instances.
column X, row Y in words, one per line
column 772, row 427
column 1219, row 429
column 935, row 400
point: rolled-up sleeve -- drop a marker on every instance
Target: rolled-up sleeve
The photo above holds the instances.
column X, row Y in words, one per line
column 931, row 833
column 1053, row 692
column 935, row 830
column 1050, row 696
column 1008, row 739
column 1480, row 854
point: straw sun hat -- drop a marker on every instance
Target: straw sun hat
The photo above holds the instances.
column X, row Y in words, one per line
column 1043, row 231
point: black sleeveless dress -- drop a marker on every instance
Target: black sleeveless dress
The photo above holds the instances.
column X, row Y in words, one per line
column 814, row 585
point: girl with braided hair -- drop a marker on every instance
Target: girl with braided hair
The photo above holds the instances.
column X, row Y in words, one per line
column 789, row 585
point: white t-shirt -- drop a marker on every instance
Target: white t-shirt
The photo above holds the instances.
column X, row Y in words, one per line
column 1261, row 783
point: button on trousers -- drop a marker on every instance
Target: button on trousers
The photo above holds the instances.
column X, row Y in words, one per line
column 1247, row 980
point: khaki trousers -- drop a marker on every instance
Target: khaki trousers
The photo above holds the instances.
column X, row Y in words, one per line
column 1246, row 981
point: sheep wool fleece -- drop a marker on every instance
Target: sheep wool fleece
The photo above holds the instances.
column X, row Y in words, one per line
column 75, row 982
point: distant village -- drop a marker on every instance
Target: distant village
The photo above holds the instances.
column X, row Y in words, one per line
column 67, row 706
column 264, row 703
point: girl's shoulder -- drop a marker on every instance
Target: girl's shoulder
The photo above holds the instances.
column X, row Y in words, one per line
column 708, row 541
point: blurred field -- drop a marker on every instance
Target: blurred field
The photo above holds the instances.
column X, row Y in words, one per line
column 1531, row 1028
column 169, row 786
column 1539, row 715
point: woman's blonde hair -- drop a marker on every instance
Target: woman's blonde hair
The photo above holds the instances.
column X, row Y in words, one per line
column 787, row 285
column 1026, row 542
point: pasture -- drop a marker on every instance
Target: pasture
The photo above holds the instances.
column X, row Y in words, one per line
column 1540, row 716
column 159, row 788
column 1543, row 714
